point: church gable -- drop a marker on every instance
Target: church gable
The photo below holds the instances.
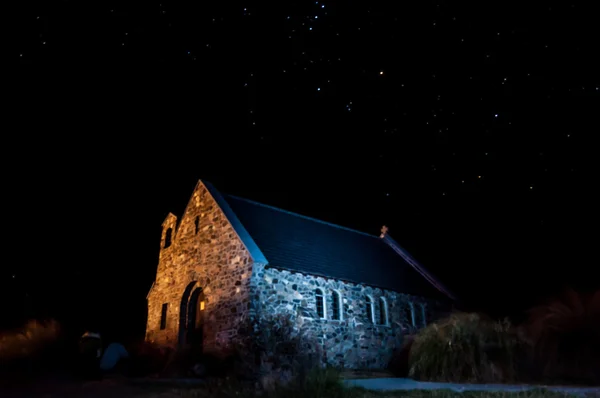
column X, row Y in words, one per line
column 202, row 251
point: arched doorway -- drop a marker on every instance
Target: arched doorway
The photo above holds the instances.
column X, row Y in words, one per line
column 191, row 318
column 195, row 319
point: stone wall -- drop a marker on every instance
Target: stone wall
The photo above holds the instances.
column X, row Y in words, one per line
column 205, row 252
column 353, row 341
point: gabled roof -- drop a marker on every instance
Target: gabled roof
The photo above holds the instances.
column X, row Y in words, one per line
column 302, row 244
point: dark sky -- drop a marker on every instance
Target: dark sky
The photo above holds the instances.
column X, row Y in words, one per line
column 468, row 129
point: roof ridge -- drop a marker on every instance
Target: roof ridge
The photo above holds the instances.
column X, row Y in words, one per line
column 302, row 216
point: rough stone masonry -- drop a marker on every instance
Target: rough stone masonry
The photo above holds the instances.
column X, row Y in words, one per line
column 203, row 251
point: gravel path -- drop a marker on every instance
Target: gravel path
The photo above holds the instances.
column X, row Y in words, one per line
column 388, row 384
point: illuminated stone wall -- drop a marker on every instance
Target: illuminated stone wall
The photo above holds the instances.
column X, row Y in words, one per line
column 205, row 251
column 353, row 341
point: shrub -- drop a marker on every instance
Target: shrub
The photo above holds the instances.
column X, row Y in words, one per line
column 31, row 348
column 399, row 364
column 564, row 334
column 465, row 347
column 148, row 359
column 273, row 350
column 318, row 382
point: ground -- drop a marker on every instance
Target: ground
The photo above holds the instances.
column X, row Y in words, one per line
column 119, row 387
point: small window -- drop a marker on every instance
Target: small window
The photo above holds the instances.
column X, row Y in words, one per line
column 370, row 309
column 163, row 316
column 413, row 315
column 383, row 311
column 197, row 224
column 336, row 305
column 320, row 303
column 409, row 314
column 168, row 237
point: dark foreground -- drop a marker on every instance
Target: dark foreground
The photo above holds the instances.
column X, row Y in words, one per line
column 121, row 387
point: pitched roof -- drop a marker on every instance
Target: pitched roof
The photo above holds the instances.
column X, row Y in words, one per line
column 302, row 244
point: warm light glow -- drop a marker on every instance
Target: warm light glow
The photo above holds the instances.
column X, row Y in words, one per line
column 202, row 306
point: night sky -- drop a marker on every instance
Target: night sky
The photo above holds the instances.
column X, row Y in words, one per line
column 467, row 128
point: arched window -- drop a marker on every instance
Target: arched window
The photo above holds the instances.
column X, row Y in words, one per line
column 168, row 237
column 413, row 318
column 424, row 314
column 370, row 309
column 409, row 314
column 320, row 303
column 336, row 305
column 383, row 311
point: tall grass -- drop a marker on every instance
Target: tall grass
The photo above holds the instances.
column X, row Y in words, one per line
column 465, row 347
column 31, row 348
column 564, row 334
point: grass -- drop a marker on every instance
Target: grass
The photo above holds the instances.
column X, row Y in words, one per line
column 218, row 390
column 564, row 334
column 465, row 347
column 30, row 340
column 326, row 383
column 31, row 349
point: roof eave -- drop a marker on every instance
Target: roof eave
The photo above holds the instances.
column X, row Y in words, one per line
column 417, row 266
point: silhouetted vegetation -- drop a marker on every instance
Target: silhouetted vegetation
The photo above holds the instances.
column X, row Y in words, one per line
column 564, row 336
column 559, row 343
column 465, row 347
column 31, row 349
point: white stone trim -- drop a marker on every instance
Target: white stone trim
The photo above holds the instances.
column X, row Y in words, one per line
column 323, row 301
column 340, row 305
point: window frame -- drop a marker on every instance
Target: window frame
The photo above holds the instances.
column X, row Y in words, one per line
column 336, row 313
column 164, row 309
column 320, row 297
column 384, row 315
column 370, row 308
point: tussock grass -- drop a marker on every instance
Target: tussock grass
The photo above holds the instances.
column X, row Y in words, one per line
column 30, row 340
column 465, row 347
column 564, row 335
column 33, row 349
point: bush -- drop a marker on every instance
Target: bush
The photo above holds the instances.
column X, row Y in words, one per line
column 465, row 347
column 564, row 334
column 399, row 364
column 32, row 348
column 318, row 382
column 148, row 359
column 274, row 351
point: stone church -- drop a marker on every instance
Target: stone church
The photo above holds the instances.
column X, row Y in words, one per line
column 229, row 258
